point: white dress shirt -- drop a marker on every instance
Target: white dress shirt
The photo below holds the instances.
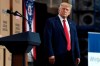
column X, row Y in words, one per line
column 67, row 25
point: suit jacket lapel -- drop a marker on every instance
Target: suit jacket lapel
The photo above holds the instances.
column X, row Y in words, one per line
column 59, row 25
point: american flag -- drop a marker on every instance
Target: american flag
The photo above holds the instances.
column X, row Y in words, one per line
column 29, row 13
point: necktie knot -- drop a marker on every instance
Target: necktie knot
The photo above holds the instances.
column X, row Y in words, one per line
column 64, row 20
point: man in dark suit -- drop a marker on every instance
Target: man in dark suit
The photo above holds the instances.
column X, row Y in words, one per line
column 61, row 43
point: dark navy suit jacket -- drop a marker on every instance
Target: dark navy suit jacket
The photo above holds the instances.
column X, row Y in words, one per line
column 55, row 41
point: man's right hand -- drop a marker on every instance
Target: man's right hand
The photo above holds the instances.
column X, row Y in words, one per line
column 52, row 59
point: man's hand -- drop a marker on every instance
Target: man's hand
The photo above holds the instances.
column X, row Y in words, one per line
column 52, row 59
column 77, row 61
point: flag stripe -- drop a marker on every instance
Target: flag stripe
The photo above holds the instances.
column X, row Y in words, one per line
column 34, row 21
column 29, row 12
column 34, row 26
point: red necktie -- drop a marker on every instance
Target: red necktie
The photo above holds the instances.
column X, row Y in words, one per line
column 67, row 36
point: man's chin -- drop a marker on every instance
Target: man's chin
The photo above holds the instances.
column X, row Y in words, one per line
column 64, row 16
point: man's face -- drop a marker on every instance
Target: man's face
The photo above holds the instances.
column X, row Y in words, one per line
column 64, row 11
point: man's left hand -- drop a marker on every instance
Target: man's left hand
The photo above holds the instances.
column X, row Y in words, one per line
column 77, row 61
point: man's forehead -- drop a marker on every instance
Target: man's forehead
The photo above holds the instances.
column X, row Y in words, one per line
column 66, row 7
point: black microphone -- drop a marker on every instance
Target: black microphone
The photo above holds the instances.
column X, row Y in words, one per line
column 16, row 13
column 10, row 12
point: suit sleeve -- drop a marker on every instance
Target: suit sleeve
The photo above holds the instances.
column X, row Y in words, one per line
column 77, row 49
column 48, row 38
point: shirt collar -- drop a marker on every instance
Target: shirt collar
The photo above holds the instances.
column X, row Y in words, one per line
column 61, row 19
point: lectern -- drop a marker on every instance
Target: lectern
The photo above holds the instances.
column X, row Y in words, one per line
column 20, row 44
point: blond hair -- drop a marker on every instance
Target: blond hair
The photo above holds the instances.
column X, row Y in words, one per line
column 65, row 4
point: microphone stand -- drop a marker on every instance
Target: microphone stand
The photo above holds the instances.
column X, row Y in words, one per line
column 20, row 15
